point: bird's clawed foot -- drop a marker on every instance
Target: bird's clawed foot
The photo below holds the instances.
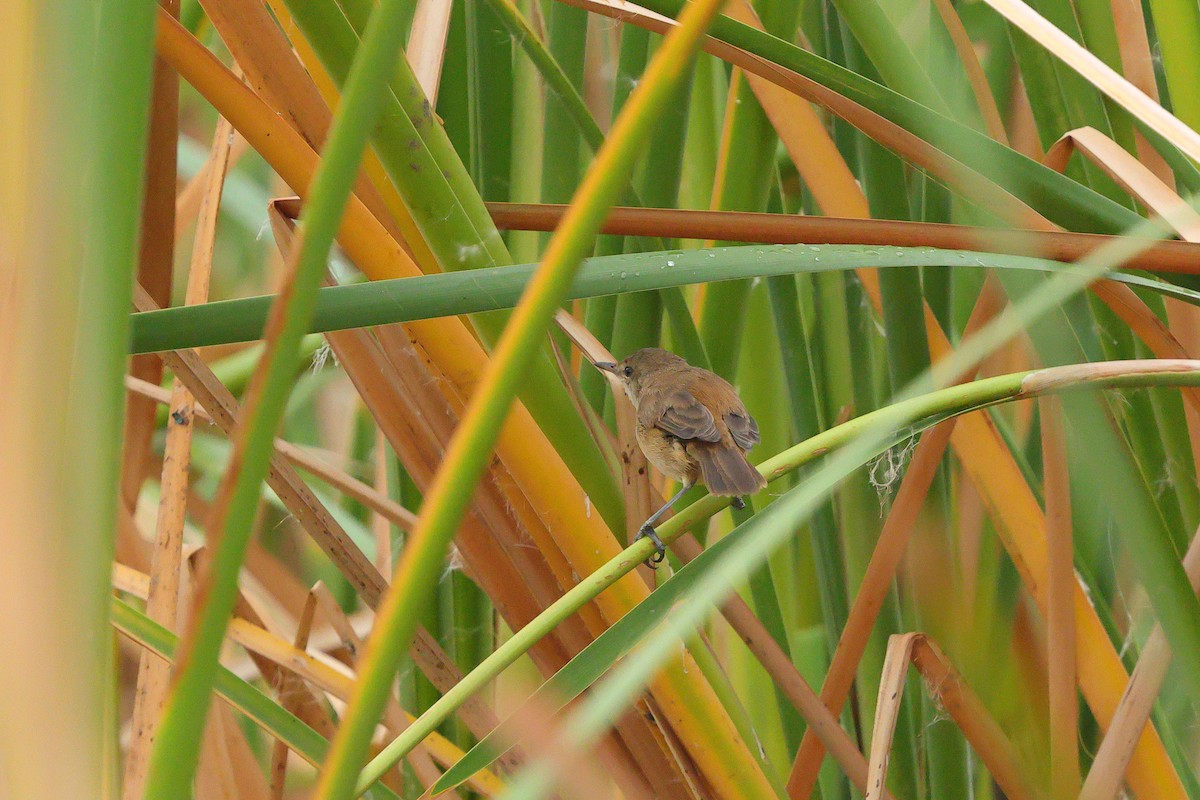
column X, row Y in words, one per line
column 647, row 532
column 739, row 503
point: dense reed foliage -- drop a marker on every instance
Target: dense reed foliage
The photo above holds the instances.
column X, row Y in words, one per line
column 365, row 526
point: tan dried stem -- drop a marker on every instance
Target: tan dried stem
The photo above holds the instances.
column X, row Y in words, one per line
column 427, row 44
column 951, row 692
column 156, row 256
column 1060, row 613
column 380, row 527
column 1108, row 767
column 279, row 752
column 308, row 460
column 162, row 606
column 639, row 494
column 758, row 227
column 187, row 202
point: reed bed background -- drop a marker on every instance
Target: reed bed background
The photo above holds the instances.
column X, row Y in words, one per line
column 309, row 488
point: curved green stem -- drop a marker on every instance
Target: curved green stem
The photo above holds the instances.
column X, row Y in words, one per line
column 916, row 413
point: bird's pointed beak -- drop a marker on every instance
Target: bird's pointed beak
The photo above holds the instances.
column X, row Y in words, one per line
column 607, row 366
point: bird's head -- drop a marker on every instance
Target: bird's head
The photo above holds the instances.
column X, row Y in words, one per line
column 639, row 367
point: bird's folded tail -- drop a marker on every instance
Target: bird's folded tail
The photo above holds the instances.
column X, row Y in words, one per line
column 726, row 471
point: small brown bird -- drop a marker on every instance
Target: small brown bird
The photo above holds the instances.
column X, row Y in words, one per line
column 691, row 425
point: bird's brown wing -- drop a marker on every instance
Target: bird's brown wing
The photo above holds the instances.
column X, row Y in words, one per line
column 743, row 429
column 682, row 415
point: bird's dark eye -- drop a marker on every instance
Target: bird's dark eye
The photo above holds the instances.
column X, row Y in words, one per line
column 628, row 371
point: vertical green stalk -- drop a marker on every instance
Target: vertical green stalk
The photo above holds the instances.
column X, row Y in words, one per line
column 112, row 143
column 561, row 151
column 416, row 693
column 472, row 633
column 745, row 186
column 74, row 88
column 704, row 133
column 490, row 58
column 884, row 182
column 900, row 289
column 1180, row 467
column 1177, row 25
column 454, row 94
column 639, row 315
column 471, row 446
column 637, row 318
column 764, row 391
column 527, row 134
column 177, row 745
column 800, row 370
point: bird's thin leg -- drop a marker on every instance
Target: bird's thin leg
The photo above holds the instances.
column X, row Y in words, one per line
column 647, row 529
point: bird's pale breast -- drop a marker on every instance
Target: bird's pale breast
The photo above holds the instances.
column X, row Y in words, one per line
column 667, row 454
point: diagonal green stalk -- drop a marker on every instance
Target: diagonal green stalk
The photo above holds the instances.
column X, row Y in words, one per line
column 437, row 188
column 687, row 338
column 177, row 744
column 472, row 443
